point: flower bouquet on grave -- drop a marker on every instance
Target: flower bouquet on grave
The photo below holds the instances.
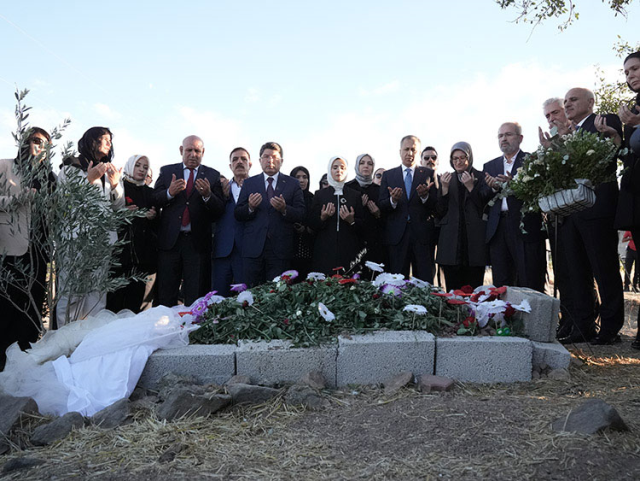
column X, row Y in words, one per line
column 561, row 178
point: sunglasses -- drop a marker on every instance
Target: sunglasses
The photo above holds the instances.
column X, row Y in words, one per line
column 430, row 157
column 378, row 176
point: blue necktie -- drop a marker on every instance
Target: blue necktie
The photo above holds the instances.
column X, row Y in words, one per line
column 408, row 180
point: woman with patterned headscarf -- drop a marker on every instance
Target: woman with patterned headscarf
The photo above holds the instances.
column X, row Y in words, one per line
column 462, row 197
column 369, row 192
column 336, row 218
column 140, row 254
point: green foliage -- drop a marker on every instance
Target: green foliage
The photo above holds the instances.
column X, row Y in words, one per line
column 611, row 94
column 538, row 11
column 580, row 155
column 292, row 311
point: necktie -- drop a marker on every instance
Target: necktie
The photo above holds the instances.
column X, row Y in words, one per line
column 186, row 218
column 270, row 191
column 408, row 180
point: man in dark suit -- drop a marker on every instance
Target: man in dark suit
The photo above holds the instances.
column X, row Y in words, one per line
column 269, row 204
column 589, row 240
column 190, row 195
column 407, row 199
column 517, row 258
column 227, row 264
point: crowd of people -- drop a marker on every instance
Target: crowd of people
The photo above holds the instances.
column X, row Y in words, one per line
column 204, row 231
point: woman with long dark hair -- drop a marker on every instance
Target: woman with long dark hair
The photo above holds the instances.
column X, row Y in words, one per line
column 628, row 212
column 303, row 255
column 462, row 197
column 140, row 254
column 23, row 238
column 94, row 164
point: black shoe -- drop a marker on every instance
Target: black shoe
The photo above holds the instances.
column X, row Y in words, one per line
column 604, row 340
column 636, row 344
column 576, row 337
column 564, row 330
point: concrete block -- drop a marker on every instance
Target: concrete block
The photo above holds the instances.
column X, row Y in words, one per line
column 553, row 354
column 210, row 364
column 373, row 358
column 277, row 362
column 542, row 322
column 484, row 359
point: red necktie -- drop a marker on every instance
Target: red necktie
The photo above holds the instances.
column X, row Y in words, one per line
column 186, row 218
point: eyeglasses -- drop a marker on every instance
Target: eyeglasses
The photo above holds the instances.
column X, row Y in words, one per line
column 270, row 157
column 463, row 158
column 430, row 157
column 378, row 176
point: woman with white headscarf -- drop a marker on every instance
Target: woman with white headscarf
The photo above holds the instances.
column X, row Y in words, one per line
column 462, row 197
column 140, row 254
column 369, row 192
column 336, row 217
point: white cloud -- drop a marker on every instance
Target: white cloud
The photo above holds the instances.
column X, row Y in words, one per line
column 252, row 96
column 106, row 112
column 390, row 87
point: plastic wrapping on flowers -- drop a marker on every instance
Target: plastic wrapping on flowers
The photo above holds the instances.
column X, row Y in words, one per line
column 314, row 311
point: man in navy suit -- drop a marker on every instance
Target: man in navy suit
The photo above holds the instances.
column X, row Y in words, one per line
column 190, row 195
column 589, row 240
column 517, row 258
column 227, row 264
column 269, row 204
column 407, row 199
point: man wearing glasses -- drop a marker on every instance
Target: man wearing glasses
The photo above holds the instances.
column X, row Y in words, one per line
column 429, row 158
column 269, row 204
column 517, row 258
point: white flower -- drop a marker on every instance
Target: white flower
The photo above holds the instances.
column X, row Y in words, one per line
column 416, row 309
column 214, row 300
column 374, row 267
column 245, row 296
column 391, row 279
column 591, row 152
column 298, row 313
column 316, row 276
column 419, row 283
column 325, row 313
column 276, row 279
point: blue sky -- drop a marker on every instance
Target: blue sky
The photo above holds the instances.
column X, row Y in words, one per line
column 323, row 79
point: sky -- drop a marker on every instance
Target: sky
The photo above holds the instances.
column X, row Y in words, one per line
column 322, row 79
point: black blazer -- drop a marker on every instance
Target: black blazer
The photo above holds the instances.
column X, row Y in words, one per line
column 413, row 207
column 201, row 213
column 532, row 221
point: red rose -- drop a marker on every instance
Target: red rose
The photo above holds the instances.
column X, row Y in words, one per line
column 456, row 302
column 509, row 311
column 467, row 289
column 469, row 321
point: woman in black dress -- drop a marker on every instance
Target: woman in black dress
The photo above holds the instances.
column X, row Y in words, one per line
column 628, row 213
column 462, row 197
column 372, row 227
column 304, row 235
column 140, row 254
column 336, row 218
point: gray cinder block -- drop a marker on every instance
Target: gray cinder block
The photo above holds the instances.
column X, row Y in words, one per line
column 210, row 364
column 276, row 361
column 553, row 354
column 542, row 322
column 373, row 358
column 484, row 359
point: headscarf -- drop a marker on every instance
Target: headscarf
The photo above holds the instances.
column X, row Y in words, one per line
column 85, row 148
column 129, row 167
column 364, row 181
column 323, row 179
column 337, row 186
column 306, row 171
column 466, row 148
column 34, row 172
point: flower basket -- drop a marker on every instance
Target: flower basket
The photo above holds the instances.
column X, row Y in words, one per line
column 568, row 201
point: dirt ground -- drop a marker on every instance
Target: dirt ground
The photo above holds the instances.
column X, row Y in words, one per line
column 500, row 432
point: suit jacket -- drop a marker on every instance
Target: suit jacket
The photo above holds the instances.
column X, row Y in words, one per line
column 266, row 221
column 229, row 231
column 396, row 220
column 201, row 213
column 607, row 192
column 628, row 213
column 14, row 217
column 532, row 221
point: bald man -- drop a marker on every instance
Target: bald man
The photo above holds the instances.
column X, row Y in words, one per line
column 190, row 197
